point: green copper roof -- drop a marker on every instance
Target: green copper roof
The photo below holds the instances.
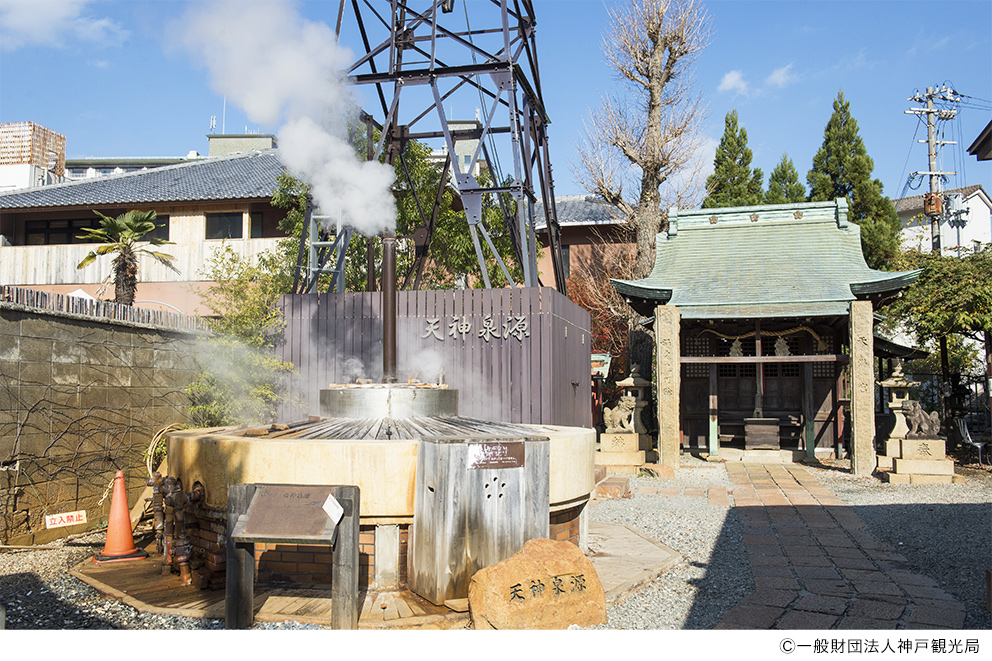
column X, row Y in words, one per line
column 781, row 260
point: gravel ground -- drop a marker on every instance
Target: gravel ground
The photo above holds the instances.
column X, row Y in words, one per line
column 714, row 575
column 944, row 531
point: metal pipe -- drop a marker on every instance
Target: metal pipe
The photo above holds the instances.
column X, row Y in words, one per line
column 159, row 510
column 388, row 287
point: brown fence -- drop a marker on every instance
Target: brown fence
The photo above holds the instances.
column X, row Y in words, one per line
column 515, row 355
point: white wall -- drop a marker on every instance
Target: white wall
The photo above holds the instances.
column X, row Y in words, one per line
column 56, row 264
column 24, row 175
column 978, row 227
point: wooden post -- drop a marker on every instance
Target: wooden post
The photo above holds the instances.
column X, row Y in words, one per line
column 714, row 428
column 809, row 411
column 838, row 409
column 345, row 568
column 759, row 374
column 239, row 601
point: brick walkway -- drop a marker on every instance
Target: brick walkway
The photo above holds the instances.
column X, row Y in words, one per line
column 816, row 567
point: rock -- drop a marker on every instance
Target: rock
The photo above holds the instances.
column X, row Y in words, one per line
column 660, row 471
column 613, row 487
column 544, row 585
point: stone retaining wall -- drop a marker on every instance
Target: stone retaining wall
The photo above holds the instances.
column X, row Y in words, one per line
column 80, row 398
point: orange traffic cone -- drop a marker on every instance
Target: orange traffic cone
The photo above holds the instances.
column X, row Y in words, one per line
column 120, row 542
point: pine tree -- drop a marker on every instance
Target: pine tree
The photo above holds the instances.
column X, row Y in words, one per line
column 783, row 184
column 732, row 183
column 842, row 168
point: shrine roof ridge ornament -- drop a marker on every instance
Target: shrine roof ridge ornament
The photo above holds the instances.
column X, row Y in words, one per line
column 835, row 211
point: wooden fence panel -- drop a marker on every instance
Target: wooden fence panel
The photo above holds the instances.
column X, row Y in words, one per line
column 513, row 354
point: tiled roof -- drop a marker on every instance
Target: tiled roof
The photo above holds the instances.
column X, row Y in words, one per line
column 577, row 210
column 914, row 203
column 787, row 260
column 241, row 176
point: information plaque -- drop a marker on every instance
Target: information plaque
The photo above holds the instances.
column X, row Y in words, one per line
column 495, row 454
column 289, row 512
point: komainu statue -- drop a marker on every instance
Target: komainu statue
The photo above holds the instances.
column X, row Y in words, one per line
column 620, row 419
column 921, row 424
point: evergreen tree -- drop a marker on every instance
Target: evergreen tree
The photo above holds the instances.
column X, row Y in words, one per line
column 732, row 183
column 783, row 184
column 842, row 168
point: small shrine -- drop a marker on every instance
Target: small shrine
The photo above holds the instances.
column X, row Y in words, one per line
column 914, row 453
column 624, row 444
column 763, row 325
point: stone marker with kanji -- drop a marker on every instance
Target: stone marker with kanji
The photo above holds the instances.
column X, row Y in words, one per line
column 545, row 585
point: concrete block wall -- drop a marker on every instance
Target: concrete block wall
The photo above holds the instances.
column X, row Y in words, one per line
column 80, row 398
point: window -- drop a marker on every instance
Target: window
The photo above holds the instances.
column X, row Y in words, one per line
column 256, row 224
column 696, row 371
column 160, row 232
column 696, row 346
column 823, row 371
column 224, row 225
column 56, row 232
column 565, row 261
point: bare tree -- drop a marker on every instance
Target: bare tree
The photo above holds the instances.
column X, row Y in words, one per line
column 652, row 126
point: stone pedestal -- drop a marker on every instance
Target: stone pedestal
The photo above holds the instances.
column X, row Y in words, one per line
column 621, row 453
column 921, row 461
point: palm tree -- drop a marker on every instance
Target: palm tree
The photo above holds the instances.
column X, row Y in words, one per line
column 120, row 235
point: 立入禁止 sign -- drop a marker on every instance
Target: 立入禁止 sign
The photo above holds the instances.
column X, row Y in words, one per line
column 65, row 519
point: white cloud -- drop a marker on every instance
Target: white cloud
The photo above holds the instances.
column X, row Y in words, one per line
column 733, row 81
column 53, row 23
column 782, row 77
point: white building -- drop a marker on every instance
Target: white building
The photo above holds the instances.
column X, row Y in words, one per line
column 966, row 230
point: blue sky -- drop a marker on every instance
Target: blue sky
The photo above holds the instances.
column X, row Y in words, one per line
column 110, row 76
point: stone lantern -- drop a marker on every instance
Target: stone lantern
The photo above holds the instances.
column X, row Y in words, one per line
column 636, row 386
column 899, row 386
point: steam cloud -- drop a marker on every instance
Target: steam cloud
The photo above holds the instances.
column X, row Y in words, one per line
column 284, row 70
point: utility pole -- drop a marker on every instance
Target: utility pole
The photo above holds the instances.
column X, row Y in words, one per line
column 932, row 202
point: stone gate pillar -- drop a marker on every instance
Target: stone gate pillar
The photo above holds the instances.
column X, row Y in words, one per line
column 862, row 380
column 666, row 333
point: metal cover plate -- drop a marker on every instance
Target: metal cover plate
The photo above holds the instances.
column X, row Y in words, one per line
column 496, row 455
column 289, row 511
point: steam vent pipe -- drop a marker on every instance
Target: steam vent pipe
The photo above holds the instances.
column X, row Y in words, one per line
column 389, row 309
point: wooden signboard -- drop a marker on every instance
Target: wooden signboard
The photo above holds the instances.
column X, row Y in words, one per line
column 292, row 514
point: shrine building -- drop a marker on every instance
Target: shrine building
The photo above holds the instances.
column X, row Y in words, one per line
column 757, row 313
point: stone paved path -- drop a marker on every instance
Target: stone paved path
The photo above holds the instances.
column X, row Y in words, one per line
column 816, row 567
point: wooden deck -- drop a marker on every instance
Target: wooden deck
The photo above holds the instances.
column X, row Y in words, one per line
column 139, row 583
